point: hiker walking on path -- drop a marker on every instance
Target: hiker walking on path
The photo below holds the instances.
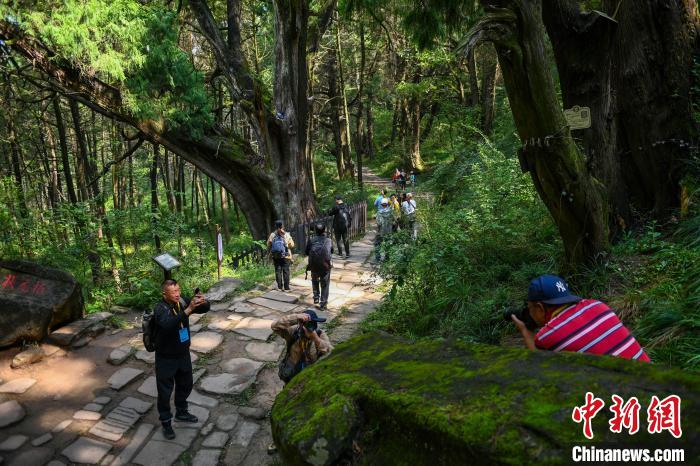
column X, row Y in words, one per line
column 341, row 225
column 306, row 343
column 385, row 220
column 173, row 363
column 319, row 251
column 396, row 211
column 280, row 244
column 408, row 208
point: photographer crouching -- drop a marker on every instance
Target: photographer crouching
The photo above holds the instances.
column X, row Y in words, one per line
column 306, row 343
column 571, row 323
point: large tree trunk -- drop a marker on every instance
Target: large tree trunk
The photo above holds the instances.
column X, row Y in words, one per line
column 573, row 197
column 154, row 199
column 488, row 65
column 634, row 72
column 344, row 114
column 338, row 129
column 277, row 187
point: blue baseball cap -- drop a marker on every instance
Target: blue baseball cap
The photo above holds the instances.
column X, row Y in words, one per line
column 551, row 289
column 313, row 316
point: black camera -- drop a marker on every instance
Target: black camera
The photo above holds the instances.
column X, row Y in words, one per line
column 311, row 325
column 522, row 313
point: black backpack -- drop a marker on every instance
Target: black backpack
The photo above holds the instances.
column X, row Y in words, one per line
column 343, row 219
column 286, row 370
column 148, row 325
column 319, row 256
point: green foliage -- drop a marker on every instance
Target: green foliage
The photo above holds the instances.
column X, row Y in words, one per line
column 473, row 255
column 135, row 46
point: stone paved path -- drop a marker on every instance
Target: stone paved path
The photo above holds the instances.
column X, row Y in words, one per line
column 96, row 404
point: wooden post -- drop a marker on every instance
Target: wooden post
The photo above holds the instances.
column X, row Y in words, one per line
column 219, row 251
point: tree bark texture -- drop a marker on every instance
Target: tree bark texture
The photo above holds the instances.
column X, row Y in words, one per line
column 574, row 198
column 634, row 72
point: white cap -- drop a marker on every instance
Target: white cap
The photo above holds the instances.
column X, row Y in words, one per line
column 384, row 201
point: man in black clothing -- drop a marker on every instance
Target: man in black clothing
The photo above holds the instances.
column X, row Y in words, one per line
column 319, row 251
column 341, row 224
column 173, row 362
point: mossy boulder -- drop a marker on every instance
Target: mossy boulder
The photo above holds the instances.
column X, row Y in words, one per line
column 378, row 399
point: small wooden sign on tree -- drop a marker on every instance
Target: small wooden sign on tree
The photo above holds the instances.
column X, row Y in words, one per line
column 578, row 117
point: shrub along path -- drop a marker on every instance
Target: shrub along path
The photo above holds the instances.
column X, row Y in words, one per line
column 93, row 401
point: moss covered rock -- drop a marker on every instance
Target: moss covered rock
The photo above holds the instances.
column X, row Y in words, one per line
column 378, row 399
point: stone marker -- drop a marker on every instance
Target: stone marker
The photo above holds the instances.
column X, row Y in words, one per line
column 204, row 342
column 86, row 415
column 119, row 355
column 136, row 441
column 13, row 442
column 36, row 300
column 206, row 457
column 146, row 356
column 283, row 297
column 29, row 356
column 17, row 386
column 227, row 422
column 216, row 440
column 245, row 432
column 255, row 328
column 11, row 412
column 123, row 376
column 42, row 440
column 86, row 450
column 61, row 426
column 199, row 399
column 272, row 304
column 263, row 351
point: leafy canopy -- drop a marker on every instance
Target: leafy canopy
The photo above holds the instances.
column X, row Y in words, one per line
column 134, row 46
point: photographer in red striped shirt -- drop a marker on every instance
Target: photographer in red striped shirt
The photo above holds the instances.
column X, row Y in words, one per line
column 570, row 323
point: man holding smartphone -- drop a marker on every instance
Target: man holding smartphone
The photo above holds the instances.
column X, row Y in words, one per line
column 173, row 363
column 306, row 343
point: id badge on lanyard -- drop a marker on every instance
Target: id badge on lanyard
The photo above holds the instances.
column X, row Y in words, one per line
column 184, row 331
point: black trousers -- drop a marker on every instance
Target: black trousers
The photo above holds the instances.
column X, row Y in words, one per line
column 281, row 272
column 322, row 281
column 173, row 373
column 341, row 238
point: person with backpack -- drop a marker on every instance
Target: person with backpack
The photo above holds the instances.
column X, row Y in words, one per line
column 319, row 251
column 168, row 330
column 280, row 244
column 306, row 343
column 341, row 225
column 385, row 221
column 396, row 210
column 408, row 209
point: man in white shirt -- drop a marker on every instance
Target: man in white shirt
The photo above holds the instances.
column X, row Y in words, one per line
column 408, row 209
